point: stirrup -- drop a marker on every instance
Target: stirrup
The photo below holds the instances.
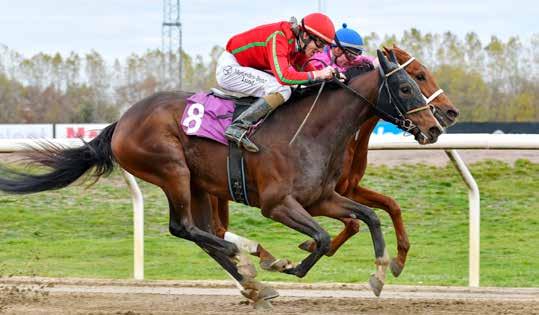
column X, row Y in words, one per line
column 247, row 144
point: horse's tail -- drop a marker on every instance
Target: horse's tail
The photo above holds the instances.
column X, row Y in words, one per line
column 67, row 165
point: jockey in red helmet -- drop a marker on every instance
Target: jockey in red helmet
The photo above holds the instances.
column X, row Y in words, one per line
column 266, row 60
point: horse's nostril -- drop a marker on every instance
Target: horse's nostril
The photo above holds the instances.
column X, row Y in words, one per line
column 435, row 132
column 453, row 114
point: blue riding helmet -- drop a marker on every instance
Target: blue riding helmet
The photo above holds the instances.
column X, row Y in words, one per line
column 348, row 38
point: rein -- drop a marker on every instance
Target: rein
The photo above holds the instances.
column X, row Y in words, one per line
column 402, row 122
column 309, row 113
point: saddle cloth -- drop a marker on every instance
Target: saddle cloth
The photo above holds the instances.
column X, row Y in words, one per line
column 207, row 116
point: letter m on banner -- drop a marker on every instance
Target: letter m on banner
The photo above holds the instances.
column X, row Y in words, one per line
column 74, row 131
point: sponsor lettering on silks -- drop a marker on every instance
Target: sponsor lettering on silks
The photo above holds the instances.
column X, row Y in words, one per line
column 250, row 78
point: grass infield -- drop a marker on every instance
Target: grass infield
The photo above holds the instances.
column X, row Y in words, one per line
column 87, row 232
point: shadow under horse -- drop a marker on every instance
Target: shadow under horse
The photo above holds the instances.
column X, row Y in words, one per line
column 285, row 182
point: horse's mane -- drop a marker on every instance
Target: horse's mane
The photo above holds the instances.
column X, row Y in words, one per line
column 311, row 89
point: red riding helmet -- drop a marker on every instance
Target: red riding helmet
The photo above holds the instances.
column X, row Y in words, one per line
column 320, row 25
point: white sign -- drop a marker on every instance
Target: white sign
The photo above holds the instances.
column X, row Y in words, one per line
column 25, row 131
column 85, row 131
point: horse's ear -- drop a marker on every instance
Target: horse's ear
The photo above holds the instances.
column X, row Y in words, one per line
column 386, row 51
column 382, row 59
column 392, row 56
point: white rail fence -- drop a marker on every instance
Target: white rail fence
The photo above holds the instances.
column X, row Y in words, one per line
column 450, row 143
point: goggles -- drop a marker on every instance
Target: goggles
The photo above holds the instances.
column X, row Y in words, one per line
column 350, row 52
column 318, row 42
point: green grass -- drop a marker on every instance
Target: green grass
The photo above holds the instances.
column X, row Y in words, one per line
column 78, row 232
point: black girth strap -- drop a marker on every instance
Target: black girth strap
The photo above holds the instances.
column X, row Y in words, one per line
column 237, row 184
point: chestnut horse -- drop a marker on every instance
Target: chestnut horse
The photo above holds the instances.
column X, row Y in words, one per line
column 356, row 163
column 287, row 182
column 354, row 166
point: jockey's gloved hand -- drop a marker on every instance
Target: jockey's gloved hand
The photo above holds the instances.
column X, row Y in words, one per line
column 340, row 76
column 324, row 74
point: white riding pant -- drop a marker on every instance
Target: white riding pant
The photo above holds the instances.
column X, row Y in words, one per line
column 234, row 77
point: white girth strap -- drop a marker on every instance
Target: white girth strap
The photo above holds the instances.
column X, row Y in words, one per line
column 433, row 96
column 404, row 65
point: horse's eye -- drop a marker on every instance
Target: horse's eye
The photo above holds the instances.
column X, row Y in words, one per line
column 405, row 89
column 421, row 77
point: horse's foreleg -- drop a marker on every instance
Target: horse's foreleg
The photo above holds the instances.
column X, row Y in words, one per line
column 220, row 226
column 340, row 207
column 355, row 164
column 351, row 228
column 376, row 200
column 290, row 213
column 267, row 261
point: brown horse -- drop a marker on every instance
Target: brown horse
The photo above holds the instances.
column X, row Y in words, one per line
column 356, row 163
column 354, row 166
column 287, row 182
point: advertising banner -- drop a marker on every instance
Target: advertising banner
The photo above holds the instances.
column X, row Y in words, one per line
column 85, row 131
column 26, row 131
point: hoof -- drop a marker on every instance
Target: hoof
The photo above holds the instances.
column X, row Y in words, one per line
column 245, row 267
column 308, row 246
column 290, row 271
column 278, row 265
column 295, row 271
column 395, row 267
column 267, row 293
column 256, row 291
column 262, row 305
column 376, row 285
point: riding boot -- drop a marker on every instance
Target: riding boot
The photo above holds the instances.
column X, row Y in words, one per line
column 238, row 130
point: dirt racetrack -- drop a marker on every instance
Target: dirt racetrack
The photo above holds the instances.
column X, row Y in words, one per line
column 87, row 296
column 439, row 157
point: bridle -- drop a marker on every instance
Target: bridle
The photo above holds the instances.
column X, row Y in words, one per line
column 400, row 119
column 429, row 99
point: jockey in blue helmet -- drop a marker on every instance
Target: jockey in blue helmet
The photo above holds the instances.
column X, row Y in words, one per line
column 347, row 51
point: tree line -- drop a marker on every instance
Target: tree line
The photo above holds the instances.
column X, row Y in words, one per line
column 492, row 81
